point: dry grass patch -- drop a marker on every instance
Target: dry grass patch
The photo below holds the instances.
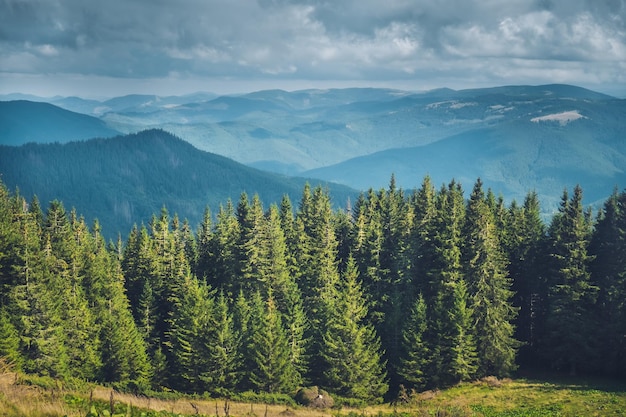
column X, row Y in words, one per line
column 218, row 407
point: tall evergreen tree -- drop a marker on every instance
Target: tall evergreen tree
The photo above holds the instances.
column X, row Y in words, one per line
column 571, row 298
column 189, row 321
column 9, row 341
column 608, row 270
column 414, row 359
column 219, row 368
column 449, row 335
column 272, row 369
column 204, row 266
column 524, row 244
column 489, row 289
column 66, row 279
column 351, row 347
column 319, row 275
column 225, row 256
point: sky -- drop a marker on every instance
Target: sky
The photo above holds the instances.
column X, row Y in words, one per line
column 109, row 48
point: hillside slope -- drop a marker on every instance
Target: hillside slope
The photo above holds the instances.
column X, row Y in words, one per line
column 292, row 132
column 23, row 121
column 583, row 143
column 126, row 179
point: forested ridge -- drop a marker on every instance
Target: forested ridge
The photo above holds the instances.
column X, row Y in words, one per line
column 418, row 289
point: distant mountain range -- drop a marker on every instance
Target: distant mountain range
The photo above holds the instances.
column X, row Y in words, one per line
column 124, row 180
column 23, row 121
column 516, row 138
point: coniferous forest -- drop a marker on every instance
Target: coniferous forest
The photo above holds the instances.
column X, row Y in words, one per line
column 418, row 289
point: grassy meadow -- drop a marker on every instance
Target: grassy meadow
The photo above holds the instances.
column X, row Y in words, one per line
column 29, row 396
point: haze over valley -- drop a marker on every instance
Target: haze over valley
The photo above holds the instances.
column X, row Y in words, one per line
column 515, row 138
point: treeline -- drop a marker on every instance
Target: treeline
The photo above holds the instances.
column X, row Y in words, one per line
column 419, row 289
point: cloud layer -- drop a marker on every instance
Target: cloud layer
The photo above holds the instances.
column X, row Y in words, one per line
column 448, row 42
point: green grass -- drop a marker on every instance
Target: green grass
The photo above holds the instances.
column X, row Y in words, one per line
column 547, row 396
column 537, row 396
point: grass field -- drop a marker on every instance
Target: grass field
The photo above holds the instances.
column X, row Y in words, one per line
column 524, row 397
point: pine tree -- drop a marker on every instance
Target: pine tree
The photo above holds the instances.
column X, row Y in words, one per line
column 219, row 369
column 225, row 255
column 526, row 239
column 449, row 337
column 287, row 224
column 251, row 246
column 423, row 253
column 608, row 270
column 243, row 312
column 351, row 347
column 272, row 369
column 489, row 289
column 9, row 341
column 414, row 359
column 318, row 275
column 190, row 320
column 204, row 267
column 571, row 298
column 66, row 281
column 123, row 354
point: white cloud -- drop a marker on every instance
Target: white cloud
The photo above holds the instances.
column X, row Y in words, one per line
column 450, row 42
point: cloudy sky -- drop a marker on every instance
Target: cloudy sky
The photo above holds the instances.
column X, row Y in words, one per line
column 113, row 47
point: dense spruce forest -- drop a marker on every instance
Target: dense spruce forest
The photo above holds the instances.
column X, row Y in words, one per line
column 418, row 290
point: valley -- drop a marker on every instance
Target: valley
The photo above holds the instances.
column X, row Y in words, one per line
column 516, row 138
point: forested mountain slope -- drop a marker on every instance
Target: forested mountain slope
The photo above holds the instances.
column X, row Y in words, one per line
column 302, row 130
column 23, row 121
column 123, row 180
column 581, row 142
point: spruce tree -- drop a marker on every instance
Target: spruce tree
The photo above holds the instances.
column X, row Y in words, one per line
column 204, row 266
column 124, row 358
column 318, row 275
column 219, row 368
column 225, row 256
column 189, row 321
column 414, row 354
column 9, row 342
column 608, row 269
column 272, row 369
column 526, row 239
column 351, row 347
column 489, row 289
column 449, row 337
column 570, row 324
column 66, row 275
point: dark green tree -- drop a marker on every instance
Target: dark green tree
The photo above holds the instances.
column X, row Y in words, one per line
column 449, row 336
column 571, row 298
column 414, row 354
column 608, row 269
column 351, row 347
column 272, row 369
column 219, row 369
column 489, row 289
column 524, row 244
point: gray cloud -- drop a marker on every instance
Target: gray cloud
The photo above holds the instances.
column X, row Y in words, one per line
column 448, row 41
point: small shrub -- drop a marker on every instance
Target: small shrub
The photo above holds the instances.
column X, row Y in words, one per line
column 264, row 398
